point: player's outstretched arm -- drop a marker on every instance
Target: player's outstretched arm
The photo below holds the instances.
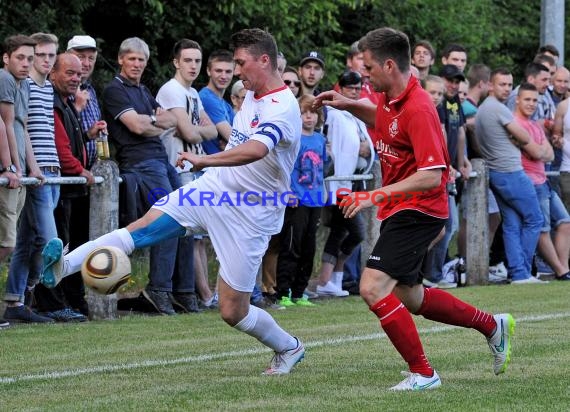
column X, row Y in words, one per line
column 364, row 109
column 245, row 153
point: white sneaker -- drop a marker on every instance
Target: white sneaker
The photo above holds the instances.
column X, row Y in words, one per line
column 330, row 289
column 310, row 294
column 498, row 273
column 445, row 284
column 529, row 280
column 283, row 362
column 499, row 270
column 429, row 284
column 449, row 270
column 417, row 382
column 500, row 342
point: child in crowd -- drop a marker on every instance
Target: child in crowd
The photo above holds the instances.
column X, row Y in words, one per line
column 302, row 216
column 435, row 87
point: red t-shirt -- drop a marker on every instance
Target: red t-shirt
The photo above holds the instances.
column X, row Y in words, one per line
column 532, row 167
column 409, row 138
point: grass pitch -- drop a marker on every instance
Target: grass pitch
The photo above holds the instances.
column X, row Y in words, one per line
column 197, row 363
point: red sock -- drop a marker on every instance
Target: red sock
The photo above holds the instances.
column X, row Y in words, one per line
column 443, row 307
column 400, row 328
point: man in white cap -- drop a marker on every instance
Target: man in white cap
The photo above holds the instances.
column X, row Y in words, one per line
column 85, row 48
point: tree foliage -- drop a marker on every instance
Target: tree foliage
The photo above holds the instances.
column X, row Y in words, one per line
column 496, row 32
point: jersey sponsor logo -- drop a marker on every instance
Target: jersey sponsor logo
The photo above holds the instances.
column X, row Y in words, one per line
column 376, row 258
column 384, row 149
column 237, row 138
column 255, row 120
column 393, row 129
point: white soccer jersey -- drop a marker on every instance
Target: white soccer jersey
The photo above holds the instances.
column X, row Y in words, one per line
column 241, row 207
column 275, row 120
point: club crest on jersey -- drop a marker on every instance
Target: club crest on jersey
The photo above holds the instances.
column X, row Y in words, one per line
column 255, row 121
column 393, row 129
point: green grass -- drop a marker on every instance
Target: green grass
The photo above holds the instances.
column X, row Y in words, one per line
column 197, row 363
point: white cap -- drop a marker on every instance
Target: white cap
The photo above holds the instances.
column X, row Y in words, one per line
column 82, row 42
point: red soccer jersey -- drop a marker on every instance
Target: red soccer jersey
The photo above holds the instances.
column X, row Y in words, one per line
column 409, row 138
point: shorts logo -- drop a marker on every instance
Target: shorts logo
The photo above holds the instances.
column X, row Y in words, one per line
column 376, row 258
column 255, row 121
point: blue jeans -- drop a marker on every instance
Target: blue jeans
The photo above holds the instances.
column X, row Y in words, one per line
column 172, row 260
column 435, row 259
column 35, row 227
column 522, row 219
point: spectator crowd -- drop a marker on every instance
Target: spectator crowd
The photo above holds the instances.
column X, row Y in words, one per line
column 53, row 121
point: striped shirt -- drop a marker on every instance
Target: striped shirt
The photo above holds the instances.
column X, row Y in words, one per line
column 89, row 115
column 41, row 124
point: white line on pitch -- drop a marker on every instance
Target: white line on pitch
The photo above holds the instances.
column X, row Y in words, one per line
column 209, row 357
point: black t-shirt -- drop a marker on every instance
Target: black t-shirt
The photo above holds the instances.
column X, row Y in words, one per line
column 120, row 96
column 451, row 115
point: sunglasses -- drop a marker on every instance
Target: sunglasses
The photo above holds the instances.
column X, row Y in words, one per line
column 297, row 83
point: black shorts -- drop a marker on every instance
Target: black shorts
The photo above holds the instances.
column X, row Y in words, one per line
column 403, row 244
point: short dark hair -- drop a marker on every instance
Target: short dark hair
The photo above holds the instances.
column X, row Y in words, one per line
column 291, row 69
column 478, row 72
column 349, row 78
column 527, row 86
column 182, row 45
column 533, row 69
column 549, row 48
column 13, row 43
column 426, row 45
column 503, row 71
column 257, row 42
column 453, row 47
column 220, row 55
column 544, row 58
column 387, row 43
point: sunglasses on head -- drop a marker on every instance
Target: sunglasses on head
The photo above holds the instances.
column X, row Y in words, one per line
column 296, row 82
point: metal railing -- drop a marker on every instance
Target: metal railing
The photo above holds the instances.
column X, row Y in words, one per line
column 104, row 211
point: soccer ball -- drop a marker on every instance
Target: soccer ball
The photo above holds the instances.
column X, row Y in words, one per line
column 106, row 269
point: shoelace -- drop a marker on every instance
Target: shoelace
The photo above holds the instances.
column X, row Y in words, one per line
column 277, row 360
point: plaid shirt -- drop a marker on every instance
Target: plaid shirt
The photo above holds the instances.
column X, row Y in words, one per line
column 90, row 115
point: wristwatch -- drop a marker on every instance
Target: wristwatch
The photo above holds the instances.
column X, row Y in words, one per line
column 11, row 169
column 152, row 119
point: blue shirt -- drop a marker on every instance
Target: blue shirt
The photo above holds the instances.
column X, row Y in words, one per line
column 218, row 110
column 307, row 178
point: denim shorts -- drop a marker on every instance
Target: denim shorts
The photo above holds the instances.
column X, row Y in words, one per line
column 552, row 208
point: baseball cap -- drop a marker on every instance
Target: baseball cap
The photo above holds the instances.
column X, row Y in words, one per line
column 313, row 55
column 82, row 42
column 451, row 71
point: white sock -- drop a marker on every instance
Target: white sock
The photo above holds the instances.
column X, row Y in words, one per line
column 337, row 279
column 261, row 325
column 120, row 238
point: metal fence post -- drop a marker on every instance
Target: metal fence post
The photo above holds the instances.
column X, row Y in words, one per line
column 103, row 218
column 477, row 259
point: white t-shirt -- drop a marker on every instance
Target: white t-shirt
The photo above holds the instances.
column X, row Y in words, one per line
column 273, row 119
column 174, row 95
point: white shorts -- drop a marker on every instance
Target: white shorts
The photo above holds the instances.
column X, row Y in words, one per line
column 238, row 249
